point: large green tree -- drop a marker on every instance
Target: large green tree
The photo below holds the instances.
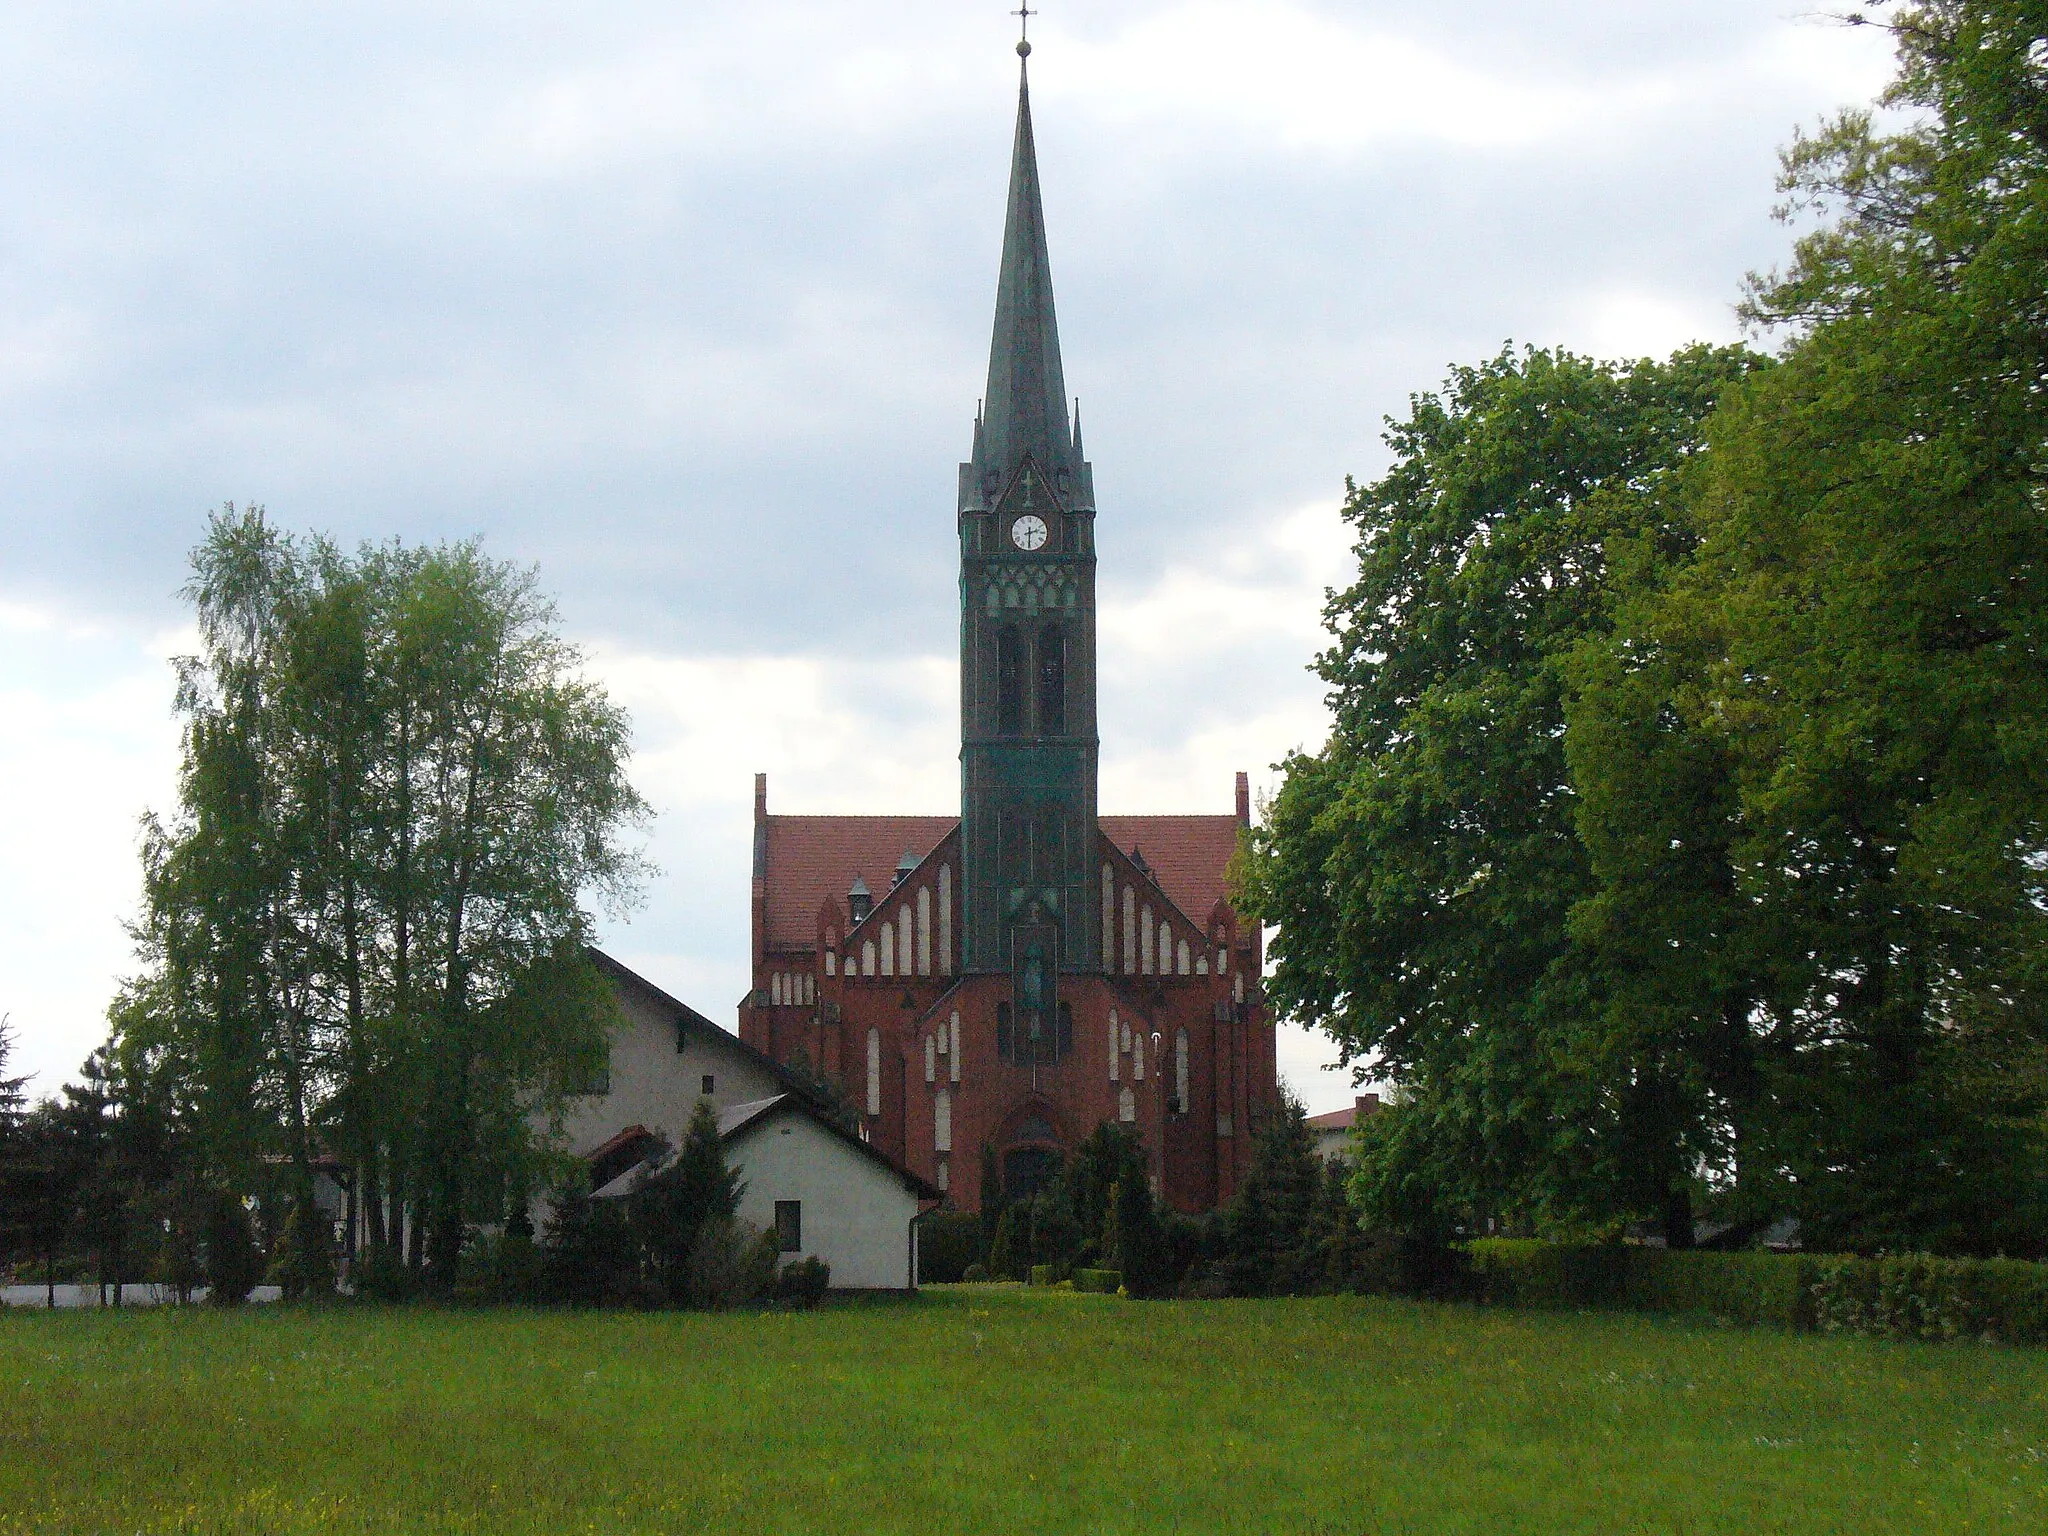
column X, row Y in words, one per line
column 1855, row 653
column 365, row 922
column 1424, row 866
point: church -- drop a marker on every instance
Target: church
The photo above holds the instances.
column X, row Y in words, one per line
column 987, row 988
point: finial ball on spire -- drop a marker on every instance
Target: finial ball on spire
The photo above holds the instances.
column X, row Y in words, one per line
column 1023, row 48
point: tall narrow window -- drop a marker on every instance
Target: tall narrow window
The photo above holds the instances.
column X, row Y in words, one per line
column 1004, row 1044
column 1052, row 681
column 874, row 1071
column 924, row 930
column 1180, row 1071
column 789, row 1226
column 1009, row 681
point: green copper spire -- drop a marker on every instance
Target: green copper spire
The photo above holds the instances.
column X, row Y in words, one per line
column 1026, row 405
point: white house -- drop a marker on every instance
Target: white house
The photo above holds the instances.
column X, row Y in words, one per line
column 1332, row 1132
column 822, row 1189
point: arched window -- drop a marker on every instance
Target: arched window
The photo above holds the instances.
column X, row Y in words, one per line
column 1009, row 681
column 1052, row 681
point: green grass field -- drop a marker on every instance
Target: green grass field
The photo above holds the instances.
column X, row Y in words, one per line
column 994, row 1409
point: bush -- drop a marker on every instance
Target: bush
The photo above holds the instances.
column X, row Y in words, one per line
column 731, row 1263
column 500, row 1268
column 1771, row 1288
column 1044, row 1274
column 1104, row 1281
column 1521, row 1273
column 304, row 1265
column 380, row 1274
column 588, row 1256
column 805, row 1282
column 1904, row 1296
column 948, row 1245
column 975, row 1274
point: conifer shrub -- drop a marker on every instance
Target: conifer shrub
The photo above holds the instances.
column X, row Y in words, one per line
column 1005, row 1257
column 232, row 1260
column 304, row 1265
column 948, row 1244
column 732, row 1262
column 588, row 1256
column 1055, row 1235
column 1105, row 1282
column 975, row 1274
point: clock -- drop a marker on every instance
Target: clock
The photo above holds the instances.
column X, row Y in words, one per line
column 1028, row 532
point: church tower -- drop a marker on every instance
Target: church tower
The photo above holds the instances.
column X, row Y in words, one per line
column 986, row 990
column 1028, row 741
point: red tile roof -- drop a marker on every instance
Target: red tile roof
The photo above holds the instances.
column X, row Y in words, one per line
column 811, row 857
column 1365, row 1104
column 1188, row 855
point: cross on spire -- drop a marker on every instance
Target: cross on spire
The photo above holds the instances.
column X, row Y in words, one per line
column 1024, row 13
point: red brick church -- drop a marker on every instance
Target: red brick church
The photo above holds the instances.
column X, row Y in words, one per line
column 1009, row 978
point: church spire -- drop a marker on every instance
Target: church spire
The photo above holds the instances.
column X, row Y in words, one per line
column 1026, row 409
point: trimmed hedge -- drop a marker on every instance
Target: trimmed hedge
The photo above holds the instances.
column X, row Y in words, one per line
column 1910, row 1296
column 1043, row 1274
column 1106, row 1281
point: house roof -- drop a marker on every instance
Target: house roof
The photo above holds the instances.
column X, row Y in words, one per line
column 736, row 1120
column 739, row 1119
column 812, row 857
column 688, row 1018
column 1365, row 1104
column 1188, row 855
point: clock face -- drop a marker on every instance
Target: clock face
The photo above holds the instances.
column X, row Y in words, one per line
column 1028, row 532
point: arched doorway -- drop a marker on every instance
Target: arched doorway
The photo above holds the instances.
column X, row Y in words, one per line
column 1031, row 1160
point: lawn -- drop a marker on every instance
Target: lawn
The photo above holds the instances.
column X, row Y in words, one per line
column 994, row 1409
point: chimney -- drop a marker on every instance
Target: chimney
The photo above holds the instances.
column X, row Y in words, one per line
column 1244, row 799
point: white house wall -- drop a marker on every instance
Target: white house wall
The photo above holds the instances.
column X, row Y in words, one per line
column 856, row 1213
column 655, row 1085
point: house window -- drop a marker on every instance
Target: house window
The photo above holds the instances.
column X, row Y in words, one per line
column 1003, row 1043
column 789, row 1226
column 709, row 1080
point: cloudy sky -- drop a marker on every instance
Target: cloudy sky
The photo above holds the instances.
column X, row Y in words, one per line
column 690, row 305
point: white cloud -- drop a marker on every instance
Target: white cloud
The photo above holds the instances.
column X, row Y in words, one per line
column 691, row 304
